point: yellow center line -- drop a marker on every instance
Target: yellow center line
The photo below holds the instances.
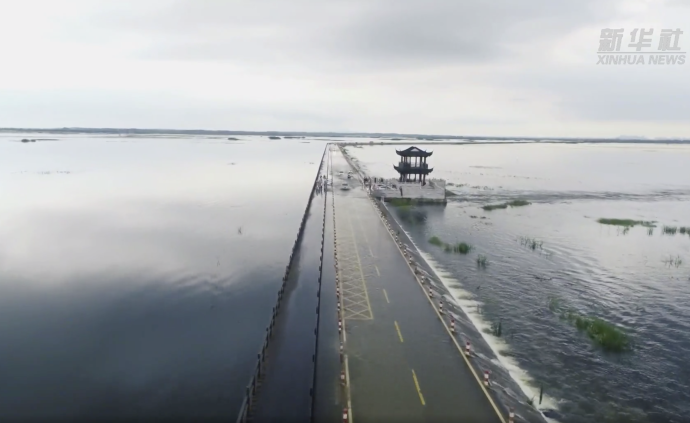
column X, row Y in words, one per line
column 398, row 329
column 386, row 295
column 377, row 270
column 419, row 391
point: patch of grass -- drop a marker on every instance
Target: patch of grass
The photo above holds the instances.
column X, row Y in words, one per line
column 626, row 222
column 610, row 337
column 436, row 241
column 669, row 230
column 650, row 231
column 607, row 335
column 518, row 203
column 482, row 261
column 490, row 207
column 447, row 248
column 684, row 230
column 513, row 203
column 462, row 248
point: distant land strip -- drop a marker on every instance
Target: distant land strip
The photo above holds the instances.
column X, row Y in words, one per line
column 388, row 136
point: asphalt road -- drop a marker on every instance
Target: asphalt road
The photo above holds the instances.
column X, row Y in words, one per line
column 403, row 364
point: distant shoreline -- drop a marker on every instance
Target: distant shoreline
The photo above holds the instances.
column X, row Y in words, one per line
column 384, row 136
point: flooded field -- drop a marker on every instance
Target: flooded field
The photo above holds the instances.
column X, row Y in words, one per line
column 596, row 313
column 137, row 275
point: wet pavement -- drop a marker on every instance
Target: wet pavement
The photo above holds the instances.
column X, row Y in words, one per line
column 401, row 362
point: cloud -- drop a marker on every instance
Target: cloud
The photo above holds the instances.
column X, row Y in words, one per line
column 440, row 66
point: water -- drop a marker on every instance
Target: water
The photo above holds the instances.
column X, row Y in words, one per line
column 137, row 275
column 594, row 269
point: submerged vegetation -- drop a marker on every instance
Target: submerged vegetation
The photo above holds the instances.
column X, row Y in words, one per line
column 482, row 261
column 513, row 203
column 436, row 241
column 460, row 247
column 607, row 335
column 627, row 222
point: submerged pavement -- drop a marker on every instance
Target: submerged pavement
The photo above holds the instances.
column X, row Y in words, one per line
column 401, row 363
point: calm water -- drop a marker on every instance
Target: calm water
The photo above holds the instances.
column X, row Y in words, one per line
column 137, row 275
column 594, row 269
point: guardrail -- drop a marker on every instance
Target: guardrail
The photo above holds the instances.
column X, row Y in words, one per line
column 318, row 295
column 251, row 388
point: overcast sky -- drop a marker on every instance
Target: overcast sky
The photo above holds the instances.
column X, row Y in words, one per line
column 460, row 67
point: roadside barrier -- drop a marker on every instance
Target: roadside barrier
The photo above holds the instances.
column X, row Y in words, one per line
column 257, row 376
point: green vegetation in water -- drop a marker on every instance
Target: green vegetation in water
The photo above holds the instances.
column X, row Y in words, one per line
column 608, row 336
column 436, row 241
column 669, row 230
column 482, row 261
column 513, row 203
column 684, row 230
column 531, row 243
column 462, row 248
column 650, row 231
column 626, row 222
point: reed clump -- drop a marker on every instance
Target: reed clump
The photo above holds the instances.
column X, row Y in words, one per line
column 435, row 241
column 627, row 222
column 482, row 261
column 513, row 203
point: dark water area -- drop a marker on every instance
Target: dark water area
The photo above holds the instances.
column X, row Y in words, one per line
column 623, row 277
column 137, row 276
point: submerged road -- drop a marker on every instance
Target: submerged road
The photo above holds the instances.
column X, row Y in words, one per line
column 401, row 362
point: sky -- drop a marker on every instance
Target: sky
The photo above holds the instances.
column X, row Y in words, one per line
column 445, row 67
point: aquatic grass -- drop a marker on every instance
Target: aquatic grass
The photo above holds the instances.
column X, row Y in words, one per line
column 512, row 203
column 607, row 335
column 435, row 241
column 626, row 222
column 684, row 230
column 650, row 231
column 490, row 207
column 669, row 230
column 462, row 248
column 447, row 248
column 482, row 261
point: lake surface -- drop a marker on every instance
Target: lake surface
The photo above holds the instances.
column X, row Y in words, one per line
column 592, row 269
column 137, row 275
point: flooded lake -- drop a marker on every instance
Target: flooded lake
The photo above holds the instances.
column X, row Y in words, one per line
column 637, row 279
column 137, row 275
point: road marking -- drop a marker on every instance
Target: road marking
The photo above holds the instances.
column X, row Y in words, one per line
column 419, row 391
column 386, row 295
column 377, row 270
column 455, row 341
column 398, row 329
column 359, row 264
